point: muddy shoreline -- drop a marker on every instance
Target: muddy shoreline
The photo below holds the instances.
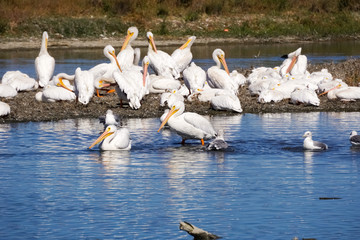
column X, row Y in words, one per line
column 25, row 108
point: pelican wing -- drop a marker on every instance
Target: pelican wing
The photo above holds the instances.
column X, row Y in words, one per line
column 199, row 122
column 219, row 78
column 226, row 102
column 58, row 94
column 122, row 139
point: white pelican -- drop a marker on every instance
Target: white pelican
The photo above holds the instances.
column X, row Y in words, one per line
column 182, row 55
column 103, row 73
column 354, row 138
column 223, row 101
column 218, row 143
column 132, row 85
column 127, row 53
column 44, row 63
column 194, row 77
column 84, row 85
column 7, row 91
column 343, row 93
column 19, row 81
column 294, row 63
column 305, row 96
column 219, row 78
column 110, row 119
column 114, row 139
column 309, row 144
column 271, row 95
column 188, row 125
column 52, row 93
column 158, row 84
column 4, row 109
column 161, row 62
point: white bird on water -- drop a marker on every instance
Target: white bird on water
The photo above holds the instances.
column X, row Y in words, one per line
column 110, row 119
column 354, row 138
column 44, row 63
column 188, row 125
column 218, row 143
column 309, row 144
column 114, row 139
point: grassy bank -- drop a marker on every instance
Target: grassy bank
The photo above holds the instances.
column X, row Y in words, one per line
column 307, row 19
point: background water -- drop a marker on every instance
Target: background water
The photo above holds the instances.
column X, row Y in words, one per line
column 263, row 187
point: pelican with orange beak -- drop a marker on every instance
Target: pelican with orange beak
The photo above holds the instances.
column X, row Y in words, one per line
column 294, row 64
column 219, row 78
column 44, row 63
column 188, row 125
column 127, row 53
column 182, row 55
column 113, row 139
column 161, row 62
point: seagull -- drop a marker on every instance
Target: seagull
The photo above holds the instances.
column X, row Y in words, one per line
column 309, row 144
column 354, row 138
column 110, row 119
column 218, row 143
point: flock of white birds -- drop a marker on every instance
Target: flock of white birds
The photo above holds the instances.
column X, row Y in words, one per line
column 178, row 79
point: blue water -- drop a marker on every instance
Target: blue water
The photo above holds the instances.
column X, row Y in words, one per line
column 263, row 187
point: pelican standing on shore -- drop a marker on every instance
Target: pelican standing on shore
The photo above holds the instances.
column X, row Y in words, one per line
column 127, row 53
column 84, row 85
column 161, row 62
column 182, row 55
column 219, row 78
column 114, row 139
column 188, row 125
column 44, row 63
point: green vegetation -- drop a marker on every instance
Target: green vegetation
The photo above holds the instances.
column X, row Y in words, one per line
column 172, row 18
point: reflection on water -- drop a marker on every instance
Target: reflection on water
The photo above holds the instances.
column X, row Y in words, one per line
column 264, row 186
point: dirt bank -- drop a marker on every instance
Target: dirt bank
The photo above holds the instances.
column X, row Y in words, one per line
column 25, row 108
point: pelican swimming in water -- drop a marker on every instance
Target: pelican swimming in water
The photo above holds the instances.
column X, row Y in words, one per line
column 19, row 81
column 182, row 55
column 4, row 109
column 114, row 139
column 188, row 125
column 309, row 144
column 127, row 53
column 219, row 78
column 354, row 138
column 44, row 63
column 218, row 143
column 161, row 62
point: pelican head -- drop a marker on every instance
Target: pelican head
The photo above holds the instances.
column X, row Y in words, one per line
column 219, row 57
column 176, row 106
column 108, row 131
column 132, row 34
column 150, row 38
column 188, row 43
column 109, row 52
